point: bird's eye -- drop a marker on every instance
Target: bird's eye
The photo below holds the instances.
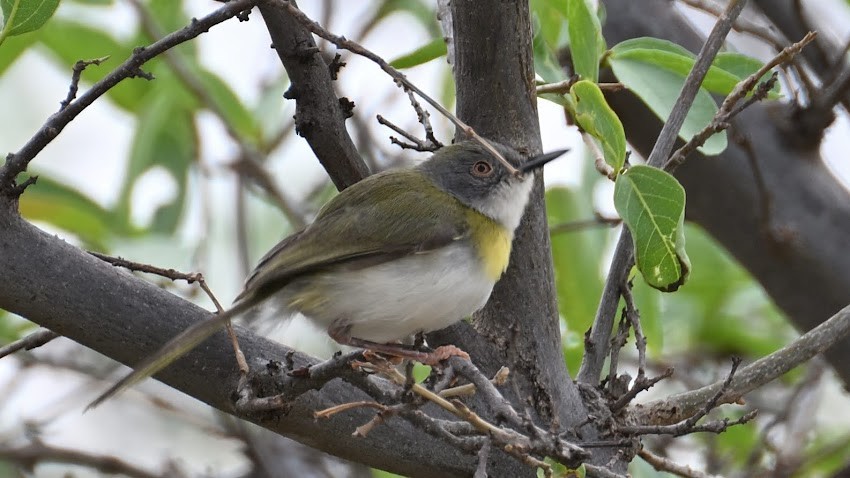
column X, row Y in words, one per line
column 482, row 169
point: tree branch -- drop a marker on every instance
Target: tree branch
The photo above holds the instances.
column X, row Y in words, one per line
column 319, row 118
column 767, row 369
column 16, row 163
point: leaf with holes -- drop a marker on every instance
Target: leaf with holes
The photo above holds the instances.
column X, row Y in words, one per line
column 652, row 204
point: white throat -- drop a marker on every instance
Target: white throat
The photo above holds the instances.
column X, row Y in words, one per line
column 507, row 203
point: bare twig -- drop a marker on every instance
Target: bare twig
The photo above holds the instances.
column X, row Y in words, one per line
column 17, row 162
column 573, row 226
column 741, row 24
column 400, row 78
column 563, row 87
column 31, row 341
column 483, row 456
column 79, row 66
column 758, row 373
column 667, row 465
column 599, row 162
column 27, row 456
column 190, row 278
column 415, row 143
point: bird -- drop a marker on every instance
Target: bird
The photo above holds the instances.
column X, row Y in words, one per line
column 401, row 252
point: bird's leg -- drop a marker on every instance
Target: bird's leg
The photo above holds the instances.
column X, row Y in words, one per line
column 341, row 333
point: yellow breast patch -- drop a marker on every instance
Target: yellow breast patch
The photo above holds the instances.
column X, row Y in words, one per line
column 493, row 243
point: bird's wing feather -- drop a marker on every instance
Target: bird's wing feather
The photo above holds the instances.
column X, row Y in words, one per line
column 385, row 216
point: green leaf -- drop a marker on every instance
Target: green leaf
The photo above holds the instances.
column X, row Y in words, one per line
column 652, row 204
column 12, row 49
column 545, row 62
column 585, row 37
column 550, row 15
column 659, row 89
column 71, row 210
column 22, row 16
column 726, row 71
column 742, row 66
column 576, row 258
column 595, row 117
column 231, row 106
column 165, row 137
column 431, row 50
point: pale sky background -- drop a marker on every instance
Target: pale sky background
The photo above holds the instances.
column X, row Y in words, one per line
column 92, row 153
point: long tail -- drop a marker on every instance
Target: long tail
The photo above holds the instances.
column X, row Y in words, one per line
column 171, row 351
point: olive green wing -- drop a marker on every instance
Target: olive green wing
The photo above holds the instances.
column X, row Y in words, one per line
column 383, row 217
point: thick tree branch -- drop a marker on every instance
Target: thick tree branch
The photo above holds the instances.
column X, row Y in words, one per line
column 319, row 117
column 109, row 310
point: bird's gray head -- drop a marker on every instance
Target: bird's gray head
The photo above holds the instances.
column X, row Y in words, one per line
column 475, row 177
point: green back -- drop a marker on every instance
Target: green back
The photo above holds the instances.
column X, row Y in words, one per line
column 383, row 217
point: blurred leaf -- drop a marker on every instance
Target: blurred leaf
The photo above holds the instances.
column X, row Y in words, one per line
column 550, row 16
column 22, row 16
column 431, row 50
column 69, row 42
column 585, row 38
column 420, row 10
column 595, row 117
column 95, row 2
column 652, row 204
column 235, row 112
column 13, row 47
column 164, row 137
column 170, row 16
column 659, row 89
column 545, row 62
column 576, row 258
column 69, row 209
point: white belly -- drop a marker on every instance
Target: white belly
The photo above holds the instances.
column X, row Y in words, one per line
column 394, row 300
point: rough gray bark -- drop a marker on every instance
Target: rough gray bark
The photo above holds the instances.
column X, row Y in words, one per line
column 493, row 59
column 801, row 257
column 60, row 287
column 319, row 117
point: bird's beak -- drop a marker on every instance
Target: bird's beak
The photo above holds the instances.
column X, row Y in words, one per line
column 537, row 162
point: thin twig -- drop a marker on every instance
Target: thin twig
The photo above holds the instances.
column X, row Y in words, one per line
column 599, row 162
column 189, row 277
column 27, row 456
column 563, row 87
column 753, row 376
column 17, row 162
column 79, row 66
column 29, row 342
column 483, row 456
column 667, row 465
column 400, row 78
